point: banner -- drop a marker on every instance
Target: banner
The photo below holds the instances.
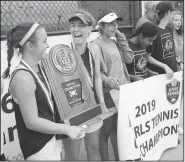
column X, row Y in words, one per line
column 148, row 117
column 10, row 143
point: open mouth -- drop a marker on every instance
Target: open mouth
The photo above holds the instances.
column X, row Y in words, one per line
column 178, row 26
column 77, row 35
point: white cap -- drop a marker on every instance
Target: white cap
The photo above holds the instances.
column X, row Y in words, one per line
column 109, row 18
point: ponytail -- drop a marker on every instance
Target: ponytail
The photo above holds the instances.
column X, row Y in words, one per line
column 10, row 53
column 16, row 38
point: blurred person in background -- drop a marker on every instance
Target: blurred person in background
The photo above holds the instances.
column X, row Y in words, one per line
column 163, row 48
column 141, row 38
column 176, row 25
column 150, row 15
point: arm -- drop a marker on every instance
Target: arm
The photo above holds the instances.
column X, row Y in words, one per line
column 152, row 73
column 128, row 54
column 98, row 81
column 177, row 59
column 159, row 64
column 104, row 79
column 135, row 78
column 108, row 82
column 103, row 69
column 23, row 89
column 139, row 23
column 179, row 63
column 2, row 85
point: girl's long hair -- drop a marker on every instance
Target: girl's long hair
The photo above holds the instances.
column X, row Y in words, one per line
column 180, row 30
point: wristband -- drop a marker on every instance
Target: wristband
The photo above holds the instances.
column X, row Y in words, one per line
column 180, row 62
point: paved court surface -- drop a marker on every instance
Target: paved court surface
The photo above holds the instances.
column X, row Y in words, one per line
column 172, row 154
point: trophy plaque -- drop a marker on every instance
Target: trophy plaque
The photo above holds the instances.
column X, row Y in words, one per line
column 71, row 87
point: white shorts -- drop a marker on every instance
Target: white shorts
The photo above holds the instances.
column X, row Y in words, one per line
column 51, row 151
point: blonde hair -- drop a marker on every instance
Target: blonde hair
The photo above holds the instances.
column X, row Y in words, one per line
column 171, row 19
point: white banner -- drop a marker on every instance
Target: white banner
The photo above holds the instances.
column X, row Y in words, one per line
column 148, row 117
column 10, row 143
column 10, row 139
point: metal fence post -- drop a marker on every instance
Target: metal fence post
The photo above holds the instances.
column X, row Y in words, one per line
column 136, row 12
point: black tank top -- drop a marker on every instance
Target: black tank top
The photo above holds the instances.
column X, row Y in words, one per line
column 31, row 141
column 86, row 60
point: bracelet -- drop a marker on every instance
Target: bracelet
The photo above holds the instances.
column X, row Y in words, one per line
column 180, row 62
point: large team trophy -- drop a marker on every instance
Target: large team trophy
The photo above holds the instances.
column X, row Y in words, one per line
column 71, row 88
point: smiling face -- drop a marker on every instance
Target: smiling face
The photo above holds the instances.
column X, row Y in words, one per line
column 38, row 44
column 79, row 31
column 41, row 44
column 176, row 21
column 109, row 29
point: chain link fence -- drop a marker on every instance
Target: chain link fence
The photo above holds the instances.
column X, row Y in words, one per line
column 54, row 15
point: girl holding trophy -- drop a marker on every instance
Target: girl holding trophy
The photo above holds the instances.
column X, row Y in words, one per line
column 35, row 111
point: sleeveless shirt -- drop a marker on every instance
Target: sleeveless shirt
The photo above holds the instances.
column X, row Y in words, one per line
column 31, row 141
